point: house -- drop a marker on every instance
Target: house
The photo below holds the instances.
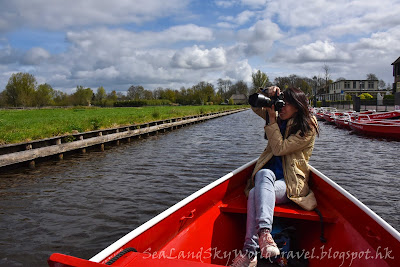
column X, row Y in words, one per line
column 396, row 74
column 239, row 99
column 339, row 89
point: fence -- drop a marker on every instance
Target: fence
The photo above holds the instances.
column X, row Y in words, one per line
column 385, row 105
column 29, row 152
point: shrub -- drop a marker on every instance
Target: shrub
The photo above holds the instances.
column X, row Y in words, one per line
column 366, row 96
column 141, row 103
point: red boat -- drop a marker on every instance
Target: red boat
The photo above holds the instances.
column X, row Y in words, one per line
column 380, row 115
column 330, row 116
column 342, row 121
column 208, row 228
column 377, row 128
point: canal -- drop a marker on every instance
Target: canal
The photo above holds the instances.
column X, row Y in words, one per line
column 80, row 205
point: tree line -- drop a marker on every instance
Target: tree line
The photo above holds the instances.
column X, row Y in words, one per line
column 22, row 91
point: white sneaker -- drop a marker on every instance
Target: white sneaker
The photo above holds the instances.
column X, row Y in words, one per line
column 267, row 244
column 244, row 261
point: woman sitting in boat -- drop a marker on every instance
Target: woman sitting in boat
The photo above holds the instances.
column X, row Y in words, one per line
column 281, row 173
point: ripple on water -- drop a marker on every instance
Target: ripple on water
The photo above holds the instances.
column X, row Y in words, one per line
column 81, row 205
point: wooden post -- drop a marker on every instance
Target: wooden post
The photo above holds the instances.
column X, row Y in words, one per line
column 117, row 142
column 101, row 145
column 31, row 163
column 83, row 150
column 61, row 155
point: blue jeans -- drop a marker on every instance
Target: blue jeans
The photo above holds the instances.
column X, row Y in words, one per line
column 260, row 205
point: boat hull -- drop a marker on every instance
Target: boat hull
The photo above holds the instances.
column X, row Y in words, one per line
column 208, row 228
column 377, row 129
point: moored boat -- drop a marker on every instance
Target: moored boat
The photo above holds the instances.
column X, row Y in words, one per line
column 379, row 115
column 343, row 121
column 377, row 128
column 208, row 227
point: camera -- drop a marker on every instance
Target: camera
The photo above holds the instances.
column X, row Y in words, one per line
column 259, row 100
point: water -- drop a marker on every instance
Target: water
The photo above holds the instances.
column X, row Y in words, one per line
column 81, row 205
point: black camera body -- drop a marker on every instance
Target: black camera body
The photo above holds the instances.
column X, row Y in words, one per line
column 259, row 100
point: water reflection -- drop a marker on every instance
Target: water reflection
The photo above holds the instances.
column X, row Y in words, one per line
column 82, row 204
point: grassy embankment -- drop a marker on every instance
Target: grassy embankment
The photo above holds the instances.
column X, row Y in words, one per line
column 26, row 125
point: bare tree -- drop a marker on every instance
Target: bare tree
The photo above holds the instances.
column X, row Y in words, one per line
column 372, row 77
column 327, row 76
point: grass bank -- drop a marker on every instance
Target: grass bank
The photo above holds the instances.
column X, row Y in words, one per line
column 26, row 125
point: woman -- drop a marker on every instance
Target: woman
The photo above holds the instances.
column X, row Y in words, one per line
column 281, row 172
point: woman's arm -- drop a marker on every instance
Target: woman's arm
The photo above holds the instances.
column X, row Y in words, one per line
column 260, row 112
column 289, row 145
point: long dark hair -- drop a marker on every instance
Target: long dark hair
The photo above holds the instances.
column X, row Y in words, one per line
column 303, row 119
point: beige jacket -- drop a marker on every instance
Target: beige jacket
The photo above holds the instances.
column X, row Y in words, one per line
column 295, row 151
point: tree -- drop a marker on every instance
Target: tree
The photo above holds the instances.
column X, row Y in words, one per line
column 148, row 94
column 223, row 88
column 100, row 97
column 381, row 84
column 327, row 77
column 157, row 93
column 112, row 96
column 371, row 77
column 44, row 95
column 260, row 79
column 3, row 101
column 203, row 92
column 82, row 96
column 136, row 92
column 282, row 82
column 304, row 83
column 239, row 87
column 20, row 89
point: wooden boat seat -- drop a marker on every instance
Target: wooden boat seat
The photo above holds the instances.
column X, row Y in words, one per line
column 238, row 204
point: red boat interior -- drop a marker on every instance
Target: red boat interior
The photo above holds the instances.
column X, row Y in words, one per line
column 210, row 230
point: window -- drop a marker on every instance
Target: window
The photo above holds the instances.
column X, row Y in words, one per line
column 347, row 85
column 362, row 85
column 354, row 85
column 371, row 85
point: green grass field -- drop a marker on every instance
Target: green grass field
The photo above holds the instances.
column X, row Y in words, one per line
column 26, row 125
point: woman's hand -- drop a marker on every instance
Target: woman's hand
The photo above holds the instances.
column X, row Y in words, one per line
column 271, row 114
column 272, row 90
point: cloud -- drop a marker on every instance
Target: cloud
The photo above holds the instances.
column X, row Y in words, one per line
column 320, row 51
column 241, row 70
column 225, row 3
column 259, row 38
column 254, row 3
column 9, row 55
column 35, row 56
column 175, row 43
column 49, row 14
column 197, row 58
column 124, row 39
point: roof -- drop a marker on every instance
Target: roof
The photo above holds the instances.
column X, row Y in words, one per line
column 239, row 97
column 397, row 61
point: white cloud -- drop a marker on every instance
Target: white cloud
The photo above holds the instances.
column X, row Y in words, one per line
column 9, row 55
column 254, row 3
column 125, row 40
column 320, row 51
column 50, row 14
column 197, row 58
column 241, row 70
column 35, row 56
column 225, row 3
column 175, row 43
column 260, row 37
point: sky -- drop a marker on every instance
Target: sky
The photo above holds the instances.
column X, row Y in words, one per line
column 175, row 43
